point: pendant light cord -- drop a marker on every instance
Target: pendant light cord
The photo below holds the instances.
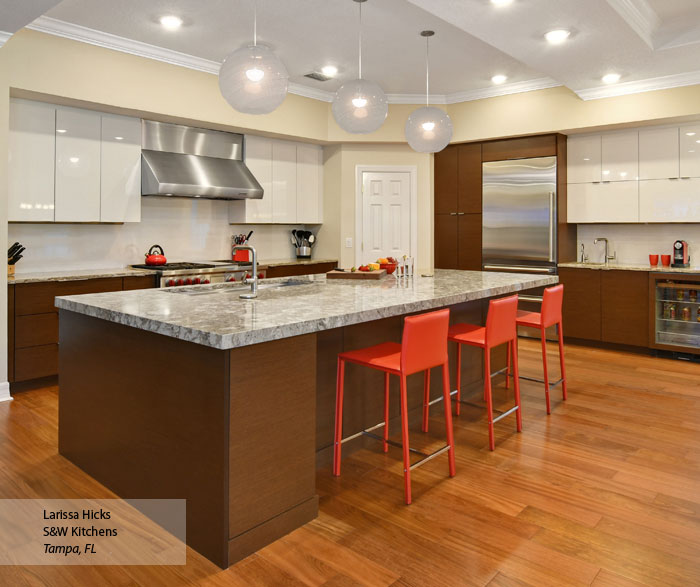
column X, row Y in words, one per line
column 255, row 23
column 360, row 44
column 427, row 71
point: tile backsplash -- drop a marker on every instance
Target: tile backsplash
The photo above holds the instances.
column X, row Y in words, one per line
column 633, row 243
column 187, row 229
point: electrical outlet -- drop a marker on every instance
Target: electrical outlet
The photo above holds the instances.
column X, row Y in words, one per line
column 348, row 243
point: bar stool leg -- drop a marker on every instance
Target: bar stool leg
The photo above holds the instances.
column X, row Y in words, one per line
column 448, row 417
column 404, row 435
column 459, row 378
column 386, row 411
column 487, row 396
column 508, row 354
column 546, row 375
column 426, row 399
column 338, row 416
column 516, row 388
column 561, row 361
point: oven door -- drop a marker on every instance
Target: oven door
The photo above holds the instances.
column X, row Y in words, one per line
column 531, row 299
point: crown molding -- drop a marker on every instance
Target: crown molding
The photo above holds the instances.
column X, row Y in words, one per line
column 417, row 99
column 4, row 37
column 640, row 16
column 502, row 90
column 308, row 92
column 52, row 26
column 666, row 82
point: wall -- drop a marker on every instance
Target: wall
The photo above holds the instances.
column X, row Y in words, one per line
column 560, row 110
column 633, row 243
column 4, row 130
column 188, row 230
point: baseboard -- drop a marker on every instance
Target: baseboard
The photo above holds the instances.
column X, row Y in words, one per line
column 5, row 392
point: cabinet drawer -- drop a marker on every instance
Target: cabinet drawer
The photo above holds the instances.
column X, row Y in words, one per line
column 35, row 362
column 139, row 282
column 38, row 298
column 36, row 330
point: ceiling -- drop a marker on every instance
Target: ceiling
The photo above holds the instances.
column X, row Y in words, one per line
column 650, row 43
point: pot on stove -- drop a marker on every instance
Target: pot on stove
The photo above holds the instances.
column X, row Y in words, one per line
column 156, row 256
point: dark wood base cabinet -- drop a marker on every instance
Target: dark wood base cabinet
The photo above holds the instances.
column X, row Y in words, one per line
column 33, row 320
column 606, row 305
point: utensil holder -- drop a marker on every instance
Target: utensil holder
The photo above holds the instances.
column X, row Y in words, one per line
column 303, row 252
column 243, row 256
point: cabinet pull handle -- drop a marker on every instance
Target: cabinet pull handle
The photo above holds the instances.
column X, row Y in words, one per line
column 461, row 213
column 685, row 177
column 453, row 213
column 595, row 182
column 673, row 178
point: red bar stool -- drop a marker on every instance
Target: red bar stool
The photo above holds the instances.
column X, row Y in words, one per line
column 500, row 329
column 423, row 346
column 550, row 316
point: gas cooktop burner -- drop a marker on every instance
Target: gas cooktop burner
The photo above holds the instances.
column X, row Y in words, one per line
column 175, row 266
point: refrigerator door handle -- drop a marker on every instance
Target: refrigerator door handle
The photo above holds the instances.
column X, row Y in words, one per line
column 552, row 227
column 520, row 269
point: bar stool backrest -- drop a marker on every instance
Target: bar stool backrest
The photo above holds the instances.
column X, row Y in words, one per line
column 551, row 305
column 500, row 322
column 424, row 342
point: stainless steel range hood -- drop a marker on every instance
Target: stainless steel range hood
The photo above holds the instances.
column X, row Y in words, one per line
column 189, row 162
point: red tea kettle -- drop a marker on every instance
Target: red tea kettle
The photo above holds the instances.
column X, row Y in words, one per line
column 156, row 256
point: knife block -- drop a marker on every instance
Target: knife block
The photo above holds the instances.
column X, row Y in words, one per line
column 10, row 270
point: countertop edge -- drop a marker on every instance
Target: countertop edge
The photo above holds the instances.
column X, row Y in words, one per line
column 641, row 268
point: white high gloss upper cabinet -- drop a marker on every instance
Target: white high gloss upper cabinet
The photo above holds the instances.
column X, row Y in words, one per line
column 658, row 153
column 309, row 184
column 120, row 167
column 258, row 158
column 690, row 150
column 669, row 200
column 616, row 201
column 583, row 159
column 284, row 182
column 619, row 156
column 32, row 156
column 77, row 188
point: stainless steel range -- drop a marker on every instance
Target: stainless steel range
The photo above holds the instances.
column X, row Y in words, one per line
column 177, row 274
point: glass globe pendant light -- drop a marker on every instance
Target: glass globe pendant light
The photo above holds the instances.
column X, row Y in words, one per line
column 360, row 106
column 428, row 129
column 253, row 80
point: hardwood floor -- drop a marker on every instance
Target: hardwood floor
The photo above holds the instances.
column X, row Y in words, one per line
column 604, row 492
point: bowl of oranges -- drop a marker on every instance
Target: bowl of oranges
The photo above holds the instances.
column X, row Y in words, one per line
column 388, row 263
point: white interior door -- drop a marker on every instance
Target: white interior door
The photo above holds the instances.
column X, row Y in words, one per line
column 386, row 215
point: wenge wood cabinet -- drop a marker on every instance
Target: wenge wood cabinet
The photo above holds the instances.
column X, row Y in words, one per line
column 301, row 269
column 581, row 309
column 624, row 304
column 458, row 207
column 33, row 320
column 606, row 305
column 458, row 196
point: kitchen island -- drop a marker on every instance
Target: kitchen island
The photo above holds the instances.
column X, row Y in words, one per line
column 195, row 393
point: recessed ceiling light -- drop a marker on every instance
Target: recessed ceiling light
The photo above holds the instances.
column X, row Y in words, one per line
column 697, row 141
column 118, row 138
column 501, row 2
column 690, row 134
column 611, row 78
column 170, row 22
column 499, row 79
column 61, row 130
column 557, row 36
column 329, row 70
column 586, row 158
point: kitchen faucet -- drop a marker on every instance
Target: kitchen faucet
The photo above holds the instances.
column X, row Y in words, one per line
column 606, row 257
column 253, row 280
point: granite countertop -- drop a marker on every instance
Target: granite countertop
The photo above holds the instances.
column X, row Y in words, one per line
column 630, row 267
column 76, row 274
column 215, row 316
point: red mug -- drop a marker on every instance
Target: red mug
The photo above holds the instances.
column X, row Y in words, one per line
column 666, row 260
column 653, row 260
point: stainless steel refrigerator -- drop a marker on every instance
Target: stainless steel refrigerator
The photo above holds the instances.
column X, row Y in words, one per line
column 520, row 216
column 519, row 233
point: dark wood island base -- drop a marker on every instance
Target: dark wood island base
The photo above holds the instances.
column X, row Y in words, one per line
column 235, row 432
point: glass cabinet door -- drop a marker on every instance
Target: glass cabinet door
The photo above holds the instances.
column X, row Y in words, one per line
column 677, row 313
